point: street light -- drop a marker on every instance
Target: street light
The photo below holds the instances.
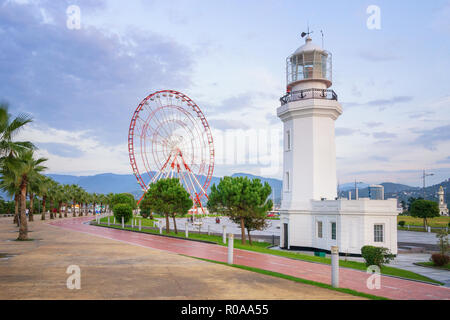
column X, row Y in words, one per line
column 424, row 175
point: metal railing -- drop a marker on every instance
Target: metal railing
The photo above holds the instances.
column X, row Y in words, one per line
column 309, row 94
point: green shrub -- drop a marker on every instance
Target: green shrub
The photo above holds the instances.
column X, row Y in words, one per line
column 377, row 256
column 145, row 213
column 124, row 198
column 401, row 223
column 440, row 260
column 123, row 210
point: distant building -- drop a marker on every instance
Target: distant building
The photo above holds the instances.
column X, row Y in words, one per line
column 443, row 210
column 376, row 192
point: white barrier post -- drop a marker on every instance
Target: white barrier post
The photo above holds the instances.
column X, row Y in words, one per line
column 224, row 234
column 187, row 229
column 209, row 232
column 132, row 223
column 429, row 229
column 123, row 223
column 140, row 224
column 108, row 221
column 230, row 248
column 160, row 228
column 335, row 267
column 114, row 220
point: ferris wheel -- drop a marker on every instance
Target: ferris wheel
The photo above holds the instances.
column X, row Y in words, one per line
column 169, row 137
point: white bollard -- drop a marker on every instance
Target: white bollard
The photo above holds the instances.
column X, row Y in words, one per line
column 123, row 223
column 132, row 223
column 230, row 248
column 224, row 234
column 160, row 229
column 209, row 232
column 429, row 229
column 114, row 220
column 140, row 224
column 349, row 195
column 187, row 229
column 335, row 267
column 108, row 222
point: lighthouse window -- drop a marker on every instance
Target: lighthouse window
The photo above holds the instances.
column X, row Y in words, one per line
column 378, row 233
column 288, row 140
column 319, row 229
column 286, row 187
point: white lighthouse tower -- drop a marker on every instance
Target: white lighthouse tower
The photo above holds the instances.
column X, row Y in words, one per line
column 312, row 217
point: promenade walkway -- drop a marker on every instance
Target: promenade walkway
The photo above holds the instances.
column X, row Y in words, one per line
column 393, row 288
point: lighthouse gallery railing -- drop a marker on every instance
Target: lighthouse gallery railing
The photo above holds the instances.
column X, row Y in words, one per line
column 309, row 94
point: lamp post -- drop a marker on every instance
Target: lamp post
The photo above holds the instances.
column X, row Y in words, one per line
column 424, row 175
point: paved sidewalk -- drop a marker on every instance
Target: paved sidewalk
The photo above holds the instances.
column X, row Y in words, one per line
column 113, row 269
column 391, row 287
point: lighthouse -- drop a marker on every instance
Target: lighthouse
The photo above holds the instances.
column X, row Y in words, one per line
column 308, row 111
column 312, row 216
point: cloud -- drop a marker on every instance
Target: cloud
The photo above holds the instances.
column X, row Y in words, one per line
column 344, row 132
column 429, row 138
column 227, row 124
column 381, row 103
column 444, row 161
column 61, row 149
column 88, row 78
column 373, row 124
column 382, row 56
column 384, row 135
column 272, row 118
column 76, row 152
column 379, row 158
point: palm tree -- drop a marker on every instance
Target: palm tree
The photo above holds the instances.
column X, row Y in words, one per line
column 10, row 183
column 9, row 148
column 44, row 189
column 94, row 202
column 28, row 167
column 53, row 189
column 35, row 183
column 9, row 128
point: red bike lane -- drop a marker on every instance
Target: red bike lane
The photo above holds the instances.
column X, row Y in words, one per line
column 393, row 288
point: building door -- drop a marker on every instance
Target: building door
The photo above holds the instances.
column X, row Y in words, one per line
column 286, row 235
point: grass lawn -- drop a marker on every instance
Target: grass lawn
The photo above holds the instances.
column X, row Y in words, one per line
column 310, row 282
column 431, row 265
column 433, row 222
column 263, row 247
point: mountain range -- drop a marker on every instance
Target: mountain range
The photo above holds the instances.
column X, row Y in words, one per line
column 117, row 183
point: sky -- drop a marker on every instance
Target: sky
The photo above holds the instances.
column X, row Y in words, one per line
column 82, row 86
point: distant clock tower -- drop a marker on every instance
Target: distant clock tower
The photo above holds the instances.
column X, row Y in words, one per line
column 443, row 210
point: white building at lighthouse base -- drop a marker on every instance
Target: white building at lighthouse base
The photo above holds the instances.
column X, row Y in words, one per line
column 348, row 224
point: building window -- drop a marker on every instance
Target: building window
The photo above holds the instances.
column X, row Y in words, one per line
column 287, row 182
column 319, row 229
column 288, row 140
column 378, row 233
column 333, row 231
